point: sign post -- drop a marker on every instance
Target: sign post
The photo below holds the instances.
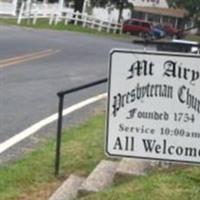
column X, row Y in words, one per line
column 154, row 106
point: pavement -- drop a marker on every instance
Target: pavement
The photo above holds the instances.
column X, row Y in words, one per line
column 36, row 64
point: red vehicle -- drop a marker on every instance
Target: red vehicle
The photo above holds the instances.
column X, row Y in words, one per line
column 137, row 26
column 173, row 32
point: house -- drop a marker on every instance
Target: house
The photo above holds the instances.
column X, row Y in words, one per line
column 158, row 11
column 8, row 7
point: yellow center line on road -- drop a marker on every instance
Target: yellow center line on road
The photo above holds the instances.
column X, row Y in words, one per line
column 23, row 56
column 27, row 57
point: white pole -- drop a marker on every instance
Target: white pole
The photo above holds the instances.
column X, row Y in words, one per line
column 60, row 8
column 51, row 18
column 28, row 5
column 61, row 5
column 100, row 26
column 84, row 19
column 108, row 27
column 84, row 6
column 57, row 18
column 21, row 13
column 85, row 3
column 76, row 18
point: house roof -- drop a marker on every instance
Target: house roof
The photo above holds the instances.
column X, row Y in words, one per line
column 172, row 12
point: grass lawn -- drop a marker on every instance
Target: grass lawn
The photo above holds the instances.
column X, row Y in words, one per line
column 44, row 24
column 193, row 38
column 82, row 148
column 33, row 177
column 176, row 184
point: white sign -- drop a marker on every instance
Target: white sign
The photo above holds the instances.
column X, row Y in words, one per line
column 154, row 106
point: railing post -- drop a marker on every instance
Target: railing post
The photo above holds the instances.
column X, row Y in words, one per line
column 57, row 18
column 93, row 23
column 61, row 96
column 108, row 27
column 66, row 18
column 84, row 20
column 51, row 19
column 100, row 26
column 35, row 16
column 21, row 13
column 59, row 134
column 76, row 18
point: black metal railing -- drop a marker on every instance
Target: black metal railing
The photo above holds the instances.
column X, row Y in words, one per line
column 61, row 96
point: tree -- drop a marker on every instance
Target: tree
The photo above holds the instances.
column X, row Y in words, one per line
column 192, row 6
column 78, row 5
column 100, row 3
column 119, row 4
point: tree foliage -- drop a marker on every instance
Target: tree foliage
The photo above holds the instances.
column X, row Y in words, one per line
column 119, row 4
column 78, row 5
column 192, row 6
column 100, row 3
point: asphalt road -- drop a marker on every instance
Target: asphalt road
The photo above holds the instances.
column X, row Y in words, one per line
column 41, row 63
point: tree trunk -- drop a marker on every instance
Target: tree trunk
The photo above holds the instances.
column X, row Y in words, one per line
column 120, row 12
column 78, row 5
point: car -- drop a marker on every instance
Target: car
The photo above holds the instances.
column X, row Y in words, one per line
column 157, row 33
column 173, row 32
column 137, row 27
column 170, row 31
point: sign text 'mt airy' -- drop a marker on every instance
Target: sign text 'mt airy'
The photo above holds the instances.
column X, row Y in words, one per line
column 154, row 106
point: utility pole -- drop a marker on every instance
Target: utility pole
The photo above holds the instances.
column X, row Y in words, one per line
column 61, row 5
column 85, row 3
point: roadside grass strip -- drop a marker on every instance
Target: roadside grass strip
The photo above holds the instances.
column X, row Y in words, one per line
column 44, row 24
column 193, row 38
column 33, row 176
column 172, row 184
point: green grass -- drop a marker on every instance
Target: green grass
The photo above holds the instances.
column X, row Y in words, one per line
column 44, row 24
column 193, row 38
column 177, row 184
column 82, row 149
column 10, row 21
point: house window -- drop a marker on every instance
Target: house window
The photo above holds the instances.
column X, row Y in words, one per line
column 138, row 15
